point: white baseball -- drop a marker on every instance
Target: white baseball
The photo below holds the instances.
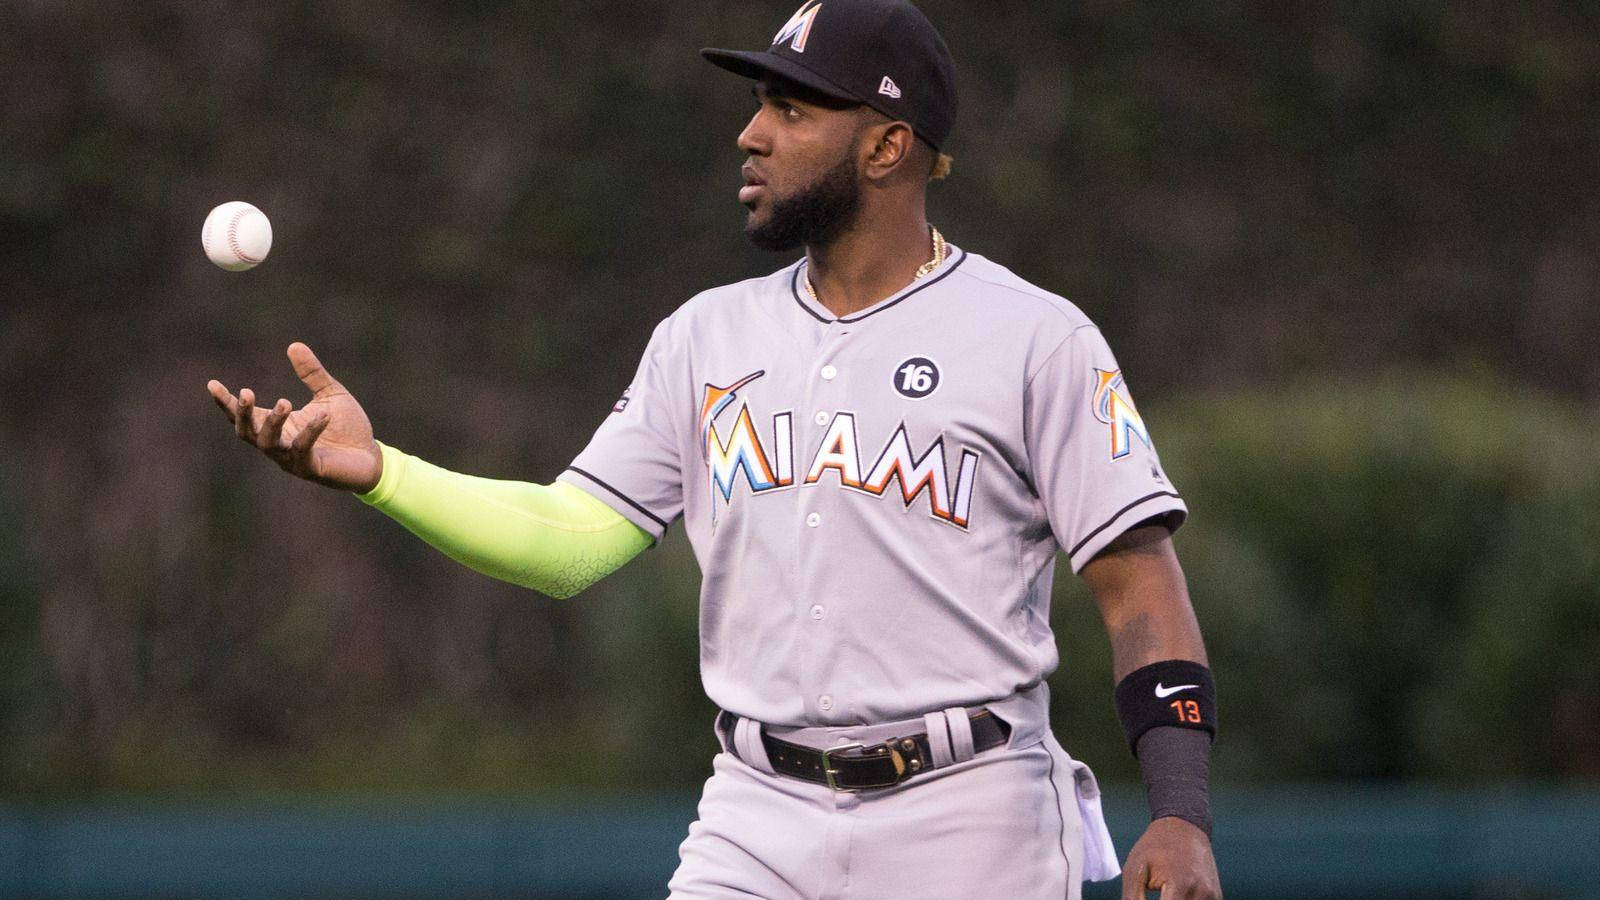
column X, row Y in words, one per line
column 236, row 236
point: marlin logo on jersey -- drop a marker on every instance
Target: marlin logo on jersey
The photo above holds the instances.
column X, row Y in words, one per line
column 798, row 27
column 1116, row 410
column 742, row 451
column 742, row 456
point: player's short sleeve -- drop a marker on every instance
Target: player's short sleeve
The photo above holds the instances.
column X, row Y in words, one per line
column 633, row 463
column 1091, row 457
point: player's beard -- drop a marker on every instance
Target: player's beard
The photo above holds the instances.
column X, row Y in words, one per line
column 815, row 215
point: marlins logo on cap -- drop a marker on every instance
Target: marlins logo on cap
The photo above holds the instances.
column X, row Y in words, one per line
column 798, row 26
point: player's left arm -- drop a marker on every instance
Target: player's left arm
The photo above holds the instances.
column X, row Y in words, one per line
column 1144, row 601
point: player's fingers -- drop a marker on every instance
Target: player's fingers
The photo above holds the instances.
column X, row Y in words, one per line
column 223, row 398
column 1133, row 880
column 244, row 421
column 308, row 436
column 309, row 368
column 272, row 429
column 1180, row 888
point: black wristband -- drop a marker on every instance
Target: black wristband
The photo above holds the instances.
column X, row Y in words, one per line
column 1175, row 692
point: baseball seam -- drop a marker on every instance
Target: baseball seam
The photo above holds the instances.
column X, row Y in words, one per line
column 233, row 237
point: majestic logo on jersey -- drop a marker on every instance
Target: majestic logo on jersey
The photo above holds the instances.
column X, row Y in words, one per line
column 798, row 27
column 916, row 378
column 1116, row 410
column 622, row 402
column 742, row 456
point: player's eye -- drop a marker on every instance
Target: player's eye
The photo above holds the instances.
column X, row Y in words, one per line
column 788, row 111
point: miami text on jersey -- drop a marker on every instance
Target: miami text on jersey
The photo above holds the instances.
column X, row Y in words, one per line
column 1112, row 408
column 742, row 456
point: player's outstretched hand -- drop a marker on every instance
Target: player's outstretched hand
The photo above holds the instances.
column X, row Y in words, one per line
column 329, row 440
column 1174, row 857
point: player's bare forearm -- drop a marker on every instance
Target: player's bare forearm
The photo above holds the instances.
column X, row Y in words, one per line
column 1144, row 602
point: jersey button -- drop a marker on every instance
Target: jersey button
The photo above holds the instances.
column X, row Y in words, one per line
column 829, row 373
column 825, row 703
column 822, row 418
column 814, row 519
column 816, row 612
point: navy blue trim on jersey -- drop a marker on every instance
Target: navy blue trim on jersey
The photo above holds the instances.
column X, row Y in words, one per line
column 794, row 288
column 621, row 496
column 1119, row 513
column 945, row 272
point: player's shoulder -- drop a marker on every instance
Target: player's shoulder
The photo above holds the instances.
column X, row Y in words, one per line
column 1003, row 292
column 737, row 298
column 715, row 300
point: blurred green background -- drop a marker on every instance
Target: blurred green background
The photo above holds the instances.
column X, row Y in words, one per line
column 1349, row 254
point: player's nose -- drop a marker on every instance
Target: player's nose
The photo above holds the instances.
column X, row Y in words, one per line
column 754, row 140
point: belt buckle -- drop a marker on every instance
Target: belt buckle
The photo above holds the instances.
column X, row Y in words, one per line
column 888, row 748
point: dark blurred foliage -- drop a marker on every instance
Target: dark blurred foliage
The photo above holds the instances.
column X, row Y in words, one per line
column 1396, row 578
column 481, row 210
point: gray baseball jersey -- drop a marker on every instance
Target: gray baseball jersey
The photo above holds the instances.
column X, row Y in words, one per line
column 876, row 500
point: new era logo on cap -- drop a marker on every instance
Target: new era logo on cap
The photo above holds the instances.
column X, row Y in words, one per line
column 888, row 88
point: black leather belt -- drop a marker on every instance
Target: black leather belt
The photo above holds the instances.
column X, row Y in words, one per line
column 855, row 767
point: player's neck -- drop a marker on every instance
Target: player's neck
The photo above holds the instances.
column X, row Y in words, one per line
column 870, row 262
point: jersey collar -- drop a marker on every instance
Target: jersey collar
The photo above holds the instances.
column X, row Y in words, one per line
column 821, row 314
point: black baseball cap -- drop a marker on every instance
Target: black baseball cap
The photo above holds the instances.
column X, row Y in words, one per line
column 881, row 53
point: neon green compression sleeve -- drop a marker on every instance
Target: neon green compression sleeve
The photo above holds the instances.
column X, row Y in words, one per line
column 554, row 538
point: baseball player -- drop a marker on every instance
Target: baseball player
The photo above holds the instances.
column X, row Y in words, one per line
column 876, row 452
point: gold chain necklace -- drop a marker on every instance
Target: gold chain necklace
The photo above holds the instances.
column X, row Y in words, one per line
column 939, row 250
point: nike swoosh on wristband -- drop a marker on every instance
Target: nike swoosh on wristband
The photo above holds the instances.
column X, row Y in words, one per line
column 1165, row 692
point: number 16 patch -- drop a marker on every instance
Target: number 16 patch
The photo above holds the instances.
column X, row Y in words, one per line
column 916, row 378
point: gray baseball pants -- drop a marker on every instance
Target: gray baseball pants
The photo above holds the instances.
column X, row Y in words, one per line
column 1014, row 822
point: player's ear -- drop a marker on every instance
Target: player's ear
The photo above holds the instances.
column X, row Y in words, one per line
column 889, row 149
